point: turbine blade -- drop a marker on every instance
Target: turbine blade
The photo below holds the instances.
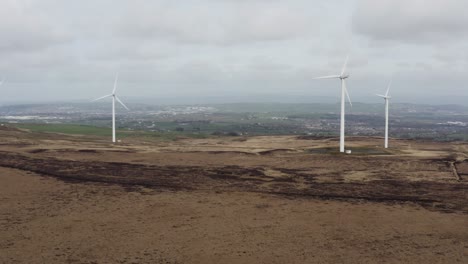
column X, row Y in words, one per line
column 379, row 95
column 118, row 100
column 3, row 80
column 115, row 83
column 344, row 66
column 105, row 96
column 327, row 77
column 388, row 88
column 347, row 94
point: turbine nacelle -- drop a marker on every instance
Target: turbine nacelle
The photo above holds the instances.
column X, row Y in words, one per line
column 383, row 96
column 344, row 76
column 386, row 96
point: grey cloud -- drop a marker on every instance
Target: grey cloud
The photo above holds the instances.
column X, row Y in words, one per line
column 73, row 48
column 129, row 53
column 23, row 29
column 411, row 21
column 224, row 23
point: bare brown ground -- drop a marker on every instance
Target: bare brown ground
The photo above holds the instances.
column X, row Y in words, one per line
column 66, row 199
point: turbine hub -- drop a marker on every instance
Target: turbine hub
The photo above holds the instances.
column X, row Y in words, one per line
column 344, row 76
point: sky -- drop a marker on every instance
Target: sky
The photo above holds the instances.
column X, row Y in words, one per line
column 55, row 50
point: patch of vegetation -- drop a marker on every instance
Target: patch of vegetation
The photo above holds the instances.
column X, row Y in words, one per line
column 369, row 151
column 72, row 129
column 457, row 137
column 354, row 151
column 66, row 129
column 162, row 136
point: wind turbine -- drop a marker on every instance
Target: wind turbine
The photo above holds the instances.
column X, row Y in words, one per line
column 3, row 80
column 114, row 98
column 386, row 97
column 343, row 76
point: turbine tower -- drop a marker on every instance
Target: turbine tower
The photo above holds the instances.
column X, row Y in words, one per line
column 343, row 76
column 114, row 98
column 386, row 97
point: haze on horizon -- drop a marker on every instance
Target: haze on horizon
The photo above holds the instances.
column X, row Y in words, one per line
column 63, row 50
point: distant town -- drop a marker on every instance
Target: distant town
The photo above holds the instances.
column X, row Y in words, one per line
column 442, row 123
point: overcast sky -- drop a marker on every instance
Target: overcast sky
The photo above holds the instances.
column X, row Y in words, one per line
column 67, row 50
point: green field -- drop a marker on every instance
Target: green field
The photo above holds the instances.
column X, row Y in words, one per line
column 67, row 129
column 72, row 129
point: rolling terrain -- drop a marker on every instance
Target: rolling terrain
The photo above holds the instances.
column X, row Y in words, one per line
column 265, row 199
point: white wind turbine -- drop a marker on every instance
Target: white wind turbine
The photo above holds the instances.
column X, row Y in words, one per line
column 386, row 97
column 3, row 80
column 114, row 98
column 343, row 76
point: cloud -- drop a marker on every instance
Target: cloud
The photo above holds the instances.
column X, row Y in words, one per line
column 220, row 23
column 411, row 21
column 22, row 29
column 185, row 47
